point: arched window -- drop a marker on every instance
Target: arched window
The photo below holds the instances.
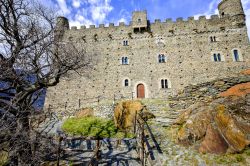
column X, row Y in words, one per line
column 236, row 55
column 126, row 82
column 125, row 43
column 217, row 57
column 161, row 58
column 213, row 38
column 125, row 60
column 164, row 84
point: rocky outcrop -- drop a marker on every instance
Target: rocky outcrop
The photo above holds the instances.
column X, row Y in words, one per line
column 218, row 126
column 217, row 121
column 207, row 92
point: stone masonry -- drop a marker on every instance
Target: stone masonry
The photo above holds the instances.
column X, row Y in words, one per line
column 130, row 53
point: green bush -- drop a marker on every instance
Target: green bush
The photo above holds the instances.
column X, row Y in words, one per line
column 93, row 127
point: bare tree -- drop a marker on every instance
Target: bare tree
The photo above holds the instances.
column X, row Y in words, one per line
column 31, row 58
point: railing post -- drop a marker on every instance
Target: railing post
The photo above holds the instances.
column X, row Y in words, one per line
column 59, row 151
column 135, row 123
column 142, row 145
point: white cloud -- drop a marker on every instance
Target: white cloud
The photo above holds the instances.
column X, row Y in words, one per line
column 63, row 6
column 76, row 3
column 212, row 9
column 100, row 9
column 246, row 6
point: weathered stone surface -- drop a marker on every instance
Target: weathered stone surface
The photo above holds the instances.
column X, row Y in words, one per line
column 195, row 127
column 126, row 112
column 213, row 142
column 236, row 138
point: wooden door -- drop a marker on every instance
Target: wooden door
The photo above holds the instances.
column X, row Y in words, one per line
column 140, row 91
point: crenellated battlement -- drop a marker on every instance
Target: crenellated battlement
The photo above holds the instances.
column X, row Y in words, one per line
column 231, row 16
column 201, row 19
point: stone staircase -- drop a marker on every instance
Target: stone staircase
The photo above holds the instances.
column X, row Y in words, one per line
column 165, row 116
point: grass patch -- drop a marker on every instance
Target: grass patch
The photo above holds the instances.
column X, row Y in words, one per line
column 93, row 127
column 3, row 158
column 230, row 159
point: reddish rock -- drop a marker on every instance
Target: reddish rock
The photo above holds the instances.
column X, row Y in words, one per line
column 195, row 127
column 213, row 142
column 235, row 137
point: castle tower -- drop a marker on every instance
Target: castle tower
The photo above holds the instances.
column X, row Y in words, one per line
column 231, row 8
column 62, row 24
column 139, row 21
column 234, row 9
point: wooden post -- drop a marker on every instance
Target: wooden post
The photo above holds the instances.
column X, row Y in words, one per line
column 98, row 153
column 59, row 151
column 142, row 144
column 135, row 123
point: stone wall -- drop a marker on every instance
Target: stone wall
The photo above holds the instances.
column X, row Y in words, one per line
column 186, row 44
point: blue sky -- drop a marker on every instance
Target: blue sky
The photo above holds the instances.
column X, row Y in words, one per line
column 89, row 12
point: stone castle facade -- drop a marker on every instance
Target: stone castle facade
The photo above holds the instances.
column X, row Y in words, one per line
column 154, row 60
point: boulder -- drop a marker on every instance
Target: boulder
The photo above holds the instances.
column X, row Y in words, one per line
column 213, row 142
column 195, row 127
column 234, row 136
column 126, row 111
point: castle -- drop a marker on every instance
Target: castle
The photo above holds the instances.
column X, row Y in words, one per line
column 154, row 60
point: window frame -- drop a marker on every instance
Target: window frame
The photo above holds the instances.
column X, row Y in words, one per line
column 165, row 83
column 126, row 82
column 161, row 58
column 217, row 57
column 240, row 55
column 125, row 60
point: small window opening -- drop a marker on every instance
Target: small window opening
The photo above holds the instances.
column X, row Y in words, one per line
column 212, row 38
column 125, row 60
column 164, row 84
column 139, row 20
column 125, row 43
column 126, row 83
column 217, row 57
column 162, row 58
column 236, row 56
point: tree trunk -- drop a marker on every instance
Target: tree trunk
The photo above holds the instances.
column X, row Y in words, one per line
column 24, row 149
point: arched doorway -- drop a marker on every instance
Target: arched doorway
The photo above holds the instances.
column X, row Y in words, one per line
column 140, row 91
